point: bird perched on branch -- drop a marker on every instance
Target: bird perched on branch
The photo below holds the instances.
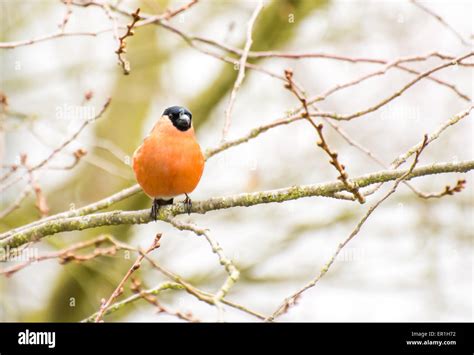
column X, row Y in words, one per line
column 169, row 162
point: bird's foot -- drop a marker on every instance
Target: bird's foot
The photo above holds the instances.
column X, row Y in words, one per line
column 157, row 202
column 187, row 204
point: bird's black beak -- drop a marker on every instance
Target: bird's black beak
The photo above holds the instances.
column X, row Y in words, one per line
column 183, row 122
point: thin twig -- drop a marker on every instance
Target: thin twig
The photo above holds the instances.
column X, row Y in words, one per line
column 343, row 176
column 78, row 154
column 241, row 67
column 58, row 34
column 119, row 289
column 447, row 191
column 69, row 254
column 290, row 301
column 199, row 294
column 126, row 302
column 375, row 107
column 233, row 273
column 255, row 132
column 172, row 13
column 61, row 147
column 153, row 300
column 442, row 21
column 67, row 15
column 121, row 50
column 431, row 137
column 17, row 203
column 41, row 204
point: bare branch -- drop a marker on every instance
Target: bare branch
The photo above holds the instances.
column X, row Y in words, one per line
column 17, row 203
column 119, row 289
column 122, row 304
column 69, row 254
column 448, row 190
column 442, row 21
column 58, row 34
column 121, row 50
column 241, row 73
column 202, row 295
column 290, row 301
column 233, row 273
column 251, row 135
column 398, row 93
column 343, row 176
column 67, row 15
column 433, row 136
column 153, row 300
column 61, row 147
column 172, row 13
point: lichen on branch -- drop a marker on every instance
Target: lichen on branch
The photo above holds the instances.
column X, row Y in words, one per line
column 39, row 230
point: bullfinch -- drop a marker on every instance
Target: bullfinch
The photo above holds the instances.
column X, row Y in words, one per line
column 170, row 161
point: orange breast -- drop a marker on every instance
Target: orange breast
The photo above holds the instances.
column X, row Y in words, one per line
column 169, row 162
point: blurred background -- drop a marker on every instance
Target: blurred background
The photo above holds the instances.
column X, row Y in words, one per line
column 413, row 259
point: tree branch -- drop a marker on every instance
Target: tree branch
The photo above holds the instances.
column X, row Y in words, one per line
column 241, row 73
column 290, row 301
column 398, row 93
column 167, row 285
column 119, row 289
column 442, row 21
column 328, row 189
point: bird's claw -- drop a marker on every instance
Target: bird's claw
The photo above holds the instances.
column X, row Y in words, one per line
column 156, row 206
column 154, row 209
column 187, row 204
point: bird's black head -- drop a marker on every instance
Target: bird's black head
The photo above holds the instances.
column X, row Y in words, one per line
column 179, row 116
